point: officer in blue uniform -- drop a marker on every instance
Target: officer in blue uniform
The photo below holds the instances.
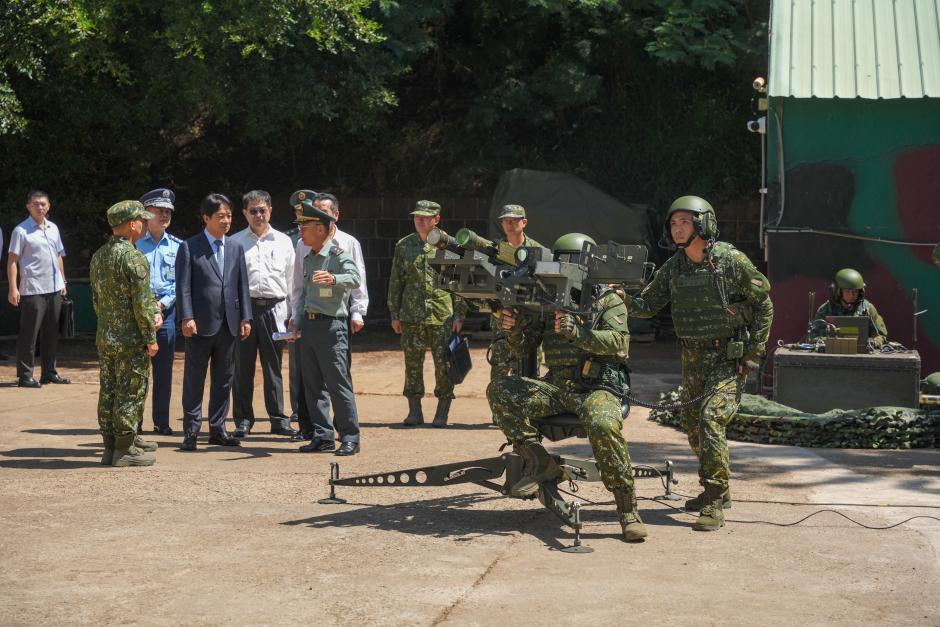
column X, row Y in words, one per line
column 159, row 247
column 320, row 313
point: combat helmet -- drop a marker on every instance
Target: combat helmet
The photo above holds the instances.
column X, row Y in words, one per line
column 846, row 279
column 570, row 245
column 932, row 383
column 703, row 217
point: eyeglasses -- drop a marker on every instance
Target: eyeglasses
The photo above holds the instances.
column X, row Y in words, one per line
column 257, row 211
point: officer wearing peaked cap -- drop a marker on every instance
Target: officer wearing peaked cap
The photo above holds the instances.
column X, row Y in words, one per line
column 298, row 405
column 160, row 248
column 126, row 336
column 319, row 315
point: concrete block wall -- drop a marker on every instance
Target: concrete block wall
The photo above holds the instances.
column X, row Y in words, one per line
column 379, row 222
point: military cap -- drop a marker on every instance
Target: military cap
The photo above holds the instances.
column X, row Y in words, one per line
column 426, row 208
column 160, row 197
column 126, row 210
column 511, row 211
column 298, row 197
column 313, row 214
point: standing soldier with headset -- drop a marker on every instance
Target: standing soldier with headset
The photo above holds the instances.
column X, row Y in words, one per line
column 722, row 312
column 423, row 315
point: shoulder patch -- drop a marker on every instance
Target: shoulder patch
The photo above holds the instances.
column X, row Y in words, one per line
column 140, row 267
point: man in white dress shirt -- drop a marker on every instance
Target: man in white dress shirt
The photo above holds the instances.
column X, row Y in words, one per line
column 358, row 298
column 269, row 255
column 36, row 275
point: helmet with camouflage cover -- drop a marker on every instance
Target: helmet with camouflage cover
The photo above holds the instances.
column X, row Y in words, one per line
column 570, row 245
column 703, row 217
column 932, row 384
column 847, row 279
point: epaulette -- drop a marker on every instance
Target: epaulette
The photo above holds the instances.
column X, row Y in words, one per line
column 173, row 238
column 335, row 249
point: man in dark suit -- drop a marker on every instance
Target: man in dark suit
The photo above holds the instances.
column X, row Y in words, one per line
column 214, row 305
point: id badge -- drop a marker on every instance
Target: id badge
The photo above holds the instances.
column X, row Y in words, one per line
column 326, row 292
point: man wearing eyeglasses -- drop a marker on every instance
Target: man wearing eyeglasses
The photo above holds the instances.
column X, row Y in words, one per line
column 269, row 255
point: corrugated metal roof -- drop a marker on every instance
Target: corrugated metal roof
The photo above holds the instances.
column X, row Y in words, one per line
column 855, row 48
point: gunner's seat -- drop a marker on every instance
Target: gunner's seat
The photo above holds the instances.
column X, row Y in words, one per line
column 567, row 425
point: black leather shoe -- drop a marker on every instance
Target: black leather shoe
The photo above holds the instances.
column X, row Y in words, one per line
column 283, row 431
column 223, row 439
column 348, row 448
column 163, row 430
column 189, row 443
column 318, row 445
column 28, row 382
column 294, row 418
column 54, row 378
column 301, row 436
column 240, row 432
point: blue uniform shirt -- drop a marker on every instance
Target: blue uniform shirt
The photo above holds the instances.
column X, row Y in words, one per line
column 162, row 259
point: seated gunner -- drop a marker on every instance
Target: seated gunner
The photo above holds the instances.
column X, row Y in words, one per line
column 847, row 298
column 587, row 376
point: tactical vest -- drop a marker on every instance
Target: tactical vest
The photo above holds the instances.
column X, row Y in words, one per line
column 697, row 310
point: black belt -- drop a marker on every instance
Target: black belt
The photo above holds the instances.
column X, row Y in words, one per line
column 266, row 302
column 315, row 315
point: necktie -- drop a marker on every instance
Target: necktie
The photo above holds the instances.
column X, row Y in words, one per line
column 219, row 255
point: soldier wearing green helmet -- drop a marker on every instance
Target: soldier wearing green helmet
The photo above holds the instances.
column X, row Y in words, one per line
column 847, row 298
column 722, row 312
column 586, row 361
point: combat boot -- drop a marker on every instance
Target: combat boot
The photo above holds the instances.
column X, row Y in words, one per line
column 414, row 417
column 145, row 445
column 633, row 528
column 539, row 466
column 108, row 456
column 699, row 501
column 126, row 454
column 712, row 516
column 440, row 416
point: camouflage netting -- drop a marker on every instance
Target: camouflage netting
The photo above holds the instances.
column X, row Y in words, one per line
column 766, row 422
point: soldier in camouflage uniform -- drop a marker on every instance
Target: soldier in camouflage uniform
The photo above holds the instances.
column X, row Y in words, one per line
column 722, row 313
column 424, row 315
column 572, row 347
column 128, row 320
column 513, row 222
column 847, row 298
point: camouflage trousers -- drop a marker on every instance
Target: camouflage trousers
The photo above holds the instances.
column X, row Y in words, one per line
column 705, row 422
column 123, row 376
column 416, row 339
column 504, row 363
column 516, row 400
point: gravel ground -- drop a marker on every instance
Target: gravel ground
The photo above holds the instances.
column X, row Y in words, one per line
column 235, row 536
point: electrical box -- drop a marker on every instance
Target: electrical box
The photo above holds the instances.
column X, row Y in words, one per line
column 818, row 382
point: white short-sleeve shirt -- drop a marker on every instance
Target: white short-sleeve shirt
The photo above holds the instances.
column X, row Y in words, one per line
column 39, row 250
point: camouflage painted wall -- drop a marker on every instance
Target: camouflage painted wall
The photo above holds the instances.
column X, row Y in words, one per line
column 867, row 167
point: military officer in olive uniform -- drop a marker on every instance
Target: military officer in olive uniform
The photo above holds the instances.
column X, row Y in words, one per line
column 722, row 312
column 423, row 315
column 598, row 345
column 513, row 221
column 128, row 319
column 320, row 312
column 847, row 298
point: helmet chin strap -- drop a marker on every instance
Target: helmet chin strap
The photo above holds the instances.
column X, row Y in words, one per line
column 687, row 242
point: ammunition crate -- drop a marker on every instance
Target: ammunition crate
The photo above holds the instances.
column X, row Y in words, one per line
column 818, row 382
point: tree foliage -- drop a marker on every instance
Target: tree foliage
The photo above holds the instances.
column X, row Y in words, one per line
column 101, row 99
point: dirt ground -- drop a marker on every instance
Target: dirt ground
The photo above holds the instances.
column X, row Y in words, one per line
column 236, row 536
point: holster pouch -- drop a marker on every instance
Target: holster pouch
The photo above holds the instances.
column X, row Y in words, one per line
column 735, row 350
